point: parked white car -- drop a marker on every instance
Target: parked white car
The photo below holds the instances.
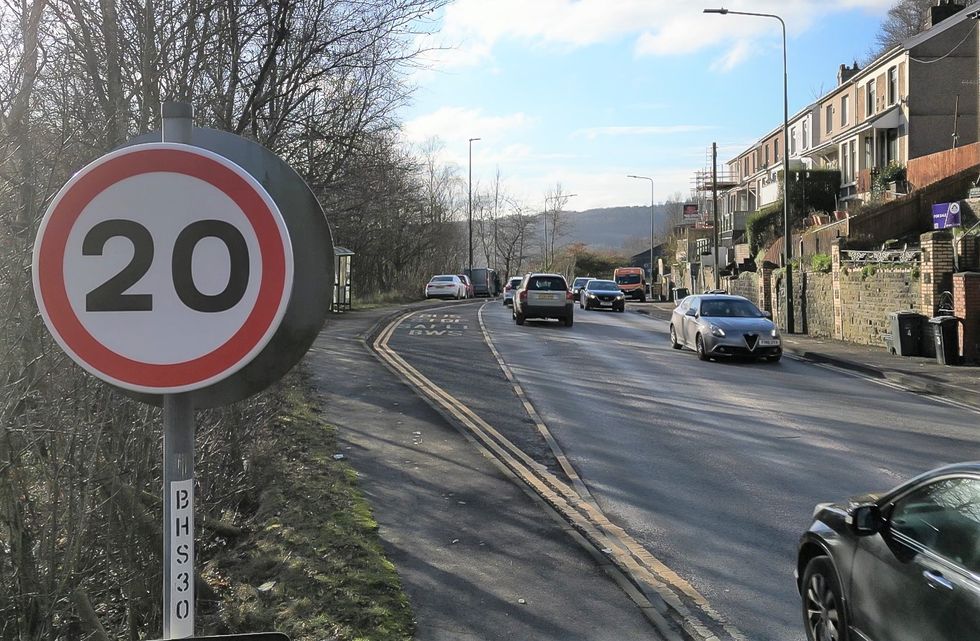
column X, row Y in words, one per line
column 445, row 286
column 510, row 289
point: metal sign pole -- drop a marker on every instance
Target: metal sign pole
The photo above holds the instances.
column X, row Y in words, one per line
column 178, row 463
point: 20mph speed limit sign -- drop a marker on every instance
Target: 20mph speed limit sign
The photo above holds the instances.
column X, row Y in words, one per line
column 163, row 268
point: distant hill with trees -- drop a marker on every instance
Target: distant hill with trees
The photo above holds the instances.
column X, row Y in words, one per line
column 619, row 228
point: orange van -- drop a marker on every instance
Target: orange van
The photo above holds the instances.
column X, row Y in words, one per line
column 631, row 282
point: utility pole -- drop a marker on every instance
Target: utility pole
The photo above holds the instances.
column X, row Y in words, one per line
column 714, row 209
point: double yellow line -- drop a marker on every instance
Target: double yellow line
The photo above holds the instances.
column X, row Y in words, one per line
column 687, row 607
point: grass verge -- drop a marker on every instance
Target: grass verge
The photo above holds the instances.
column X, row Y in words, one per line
column 311, row 564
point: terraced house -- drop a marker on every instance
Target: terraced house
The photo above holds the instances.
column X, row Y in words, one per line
column 916, row 99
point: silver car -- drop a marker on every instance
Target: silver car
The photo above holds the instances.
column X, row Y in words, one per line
column 543, row 296
column 724, row 325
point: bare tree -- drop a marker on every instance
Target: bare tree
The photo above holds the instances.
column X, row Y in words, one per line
column 904, row 20
column 555, row 223
column 318, row 82
column 514, row 236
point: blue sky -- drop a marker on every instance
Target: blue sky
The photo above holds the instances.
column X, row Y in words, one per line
column 583, row 92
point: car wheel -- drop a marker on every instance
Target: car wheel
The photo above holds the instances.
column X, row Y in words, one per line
column 823, row 606
column 568, row 320
column 519, row 318
column 673, row 339
column 643, row 298
column 774, row 359
column 621, row 309
column 699, row 346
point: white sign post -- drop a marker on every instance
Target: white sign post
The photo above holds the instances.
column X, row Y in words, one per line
column 165, row 268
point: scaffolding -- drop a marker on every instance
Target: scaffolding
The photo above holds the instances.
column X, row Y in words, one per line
column 704, row 180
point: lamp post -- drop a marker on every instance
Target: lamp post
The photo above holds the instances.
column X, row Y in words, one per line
column 787, row 239
column 470, row 207
column 652, row 225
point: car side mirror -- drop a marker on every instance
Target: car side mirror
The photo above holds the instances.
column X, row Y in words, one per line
column 866, row 520
column 691, row 312
column 767, row 314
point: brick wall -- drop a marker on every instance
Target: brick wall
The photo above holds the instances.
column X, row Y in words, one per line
column 868, row 298
column 966, row 306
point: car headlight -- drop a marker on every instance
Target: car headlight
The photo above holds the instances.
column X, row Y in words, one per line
column 620, row 297
column 717, row 331
column 590, row 295
column 774, row 333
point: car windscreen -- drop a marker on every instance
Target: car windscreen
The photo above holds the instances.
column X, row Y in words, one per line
column 547, row 284
column 603, row 286
column 514, row 282
column 579, row 282
column 729, row 308
column 441, row 279
column 628, row 279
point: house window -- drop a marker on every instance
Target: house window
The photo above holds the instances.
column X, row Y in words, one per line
column 766, row 152
column 869, row 152
column 853, row 160
column 745, row 166
column 775, row 150
column 806, row 134
column 792, row 141
column 892, row 145
column 892, row 85
column 829, row 119
column 870, row 98
column 843, row 109
column 844, row 164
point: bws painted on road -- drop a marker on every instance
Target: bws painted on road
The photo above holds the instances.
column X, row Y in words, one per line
column 435, row 324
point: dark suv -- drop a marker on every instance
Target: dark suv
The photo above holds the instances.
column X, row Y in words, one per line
column 902, row 566
column 543, row 296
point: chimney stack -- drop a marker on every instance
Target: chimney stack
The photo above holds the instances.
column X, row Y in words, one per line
column 845, row 73
column 942, row 10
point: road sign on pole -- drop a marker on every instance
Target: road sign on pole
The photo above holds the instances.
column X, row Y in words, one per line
column 162, row 268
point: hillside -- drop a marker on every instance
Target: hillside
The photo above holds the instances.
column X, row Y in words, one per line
column 612, row 227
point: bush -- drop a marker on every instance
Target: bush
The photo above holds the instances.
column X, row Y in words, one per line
column 821, row 263
column 764, row 226
column 811, row 190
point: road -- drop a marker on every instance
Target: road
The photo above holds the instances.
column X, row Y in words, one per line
column 713, row 467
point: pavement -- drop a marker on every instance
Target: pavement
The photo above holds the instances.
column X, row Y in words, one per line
column 959, row 383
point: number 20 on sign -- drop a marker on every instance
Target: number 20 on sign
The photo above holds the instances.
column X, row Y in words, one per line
column 162, row 268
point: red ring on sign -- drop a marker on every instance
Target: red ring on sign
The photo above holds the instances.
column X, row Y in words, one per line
column 224, row 359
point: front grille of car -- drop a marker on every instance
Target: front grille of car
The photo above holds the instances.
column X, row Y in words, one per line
column 751, row 340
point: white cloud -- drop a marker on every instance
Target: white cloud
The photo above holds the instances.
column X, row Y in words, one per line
column 608, row 188
column 458, row 123
column 471, row 28
column 591, row 133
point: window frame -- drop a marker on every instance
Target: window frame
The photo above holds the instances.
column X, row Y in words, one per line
column 893, row 503
column 844, row 109
column 891, row 85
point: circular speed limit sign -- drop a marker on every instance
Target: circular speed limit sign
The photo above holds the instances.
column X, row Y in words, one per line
column 163, row 268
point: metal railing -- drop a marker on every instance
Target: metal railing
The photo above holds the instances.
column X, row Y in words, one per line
column 881, row 256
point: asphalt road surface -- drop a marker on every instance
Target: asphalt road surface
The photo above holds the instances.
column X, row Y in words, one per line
column 714, row 467
column 477, row 556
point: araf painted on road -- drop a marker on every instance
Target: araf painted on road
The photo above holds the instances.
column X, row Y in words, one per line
column 437, row 325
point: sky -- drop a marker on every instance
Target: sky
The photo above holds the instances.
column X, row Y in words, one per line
column 584, row 92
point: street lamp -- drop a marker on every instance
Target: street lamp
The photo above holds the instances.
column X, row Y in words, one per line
column 470, row 190
column 787, row 239
column 652, row 224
